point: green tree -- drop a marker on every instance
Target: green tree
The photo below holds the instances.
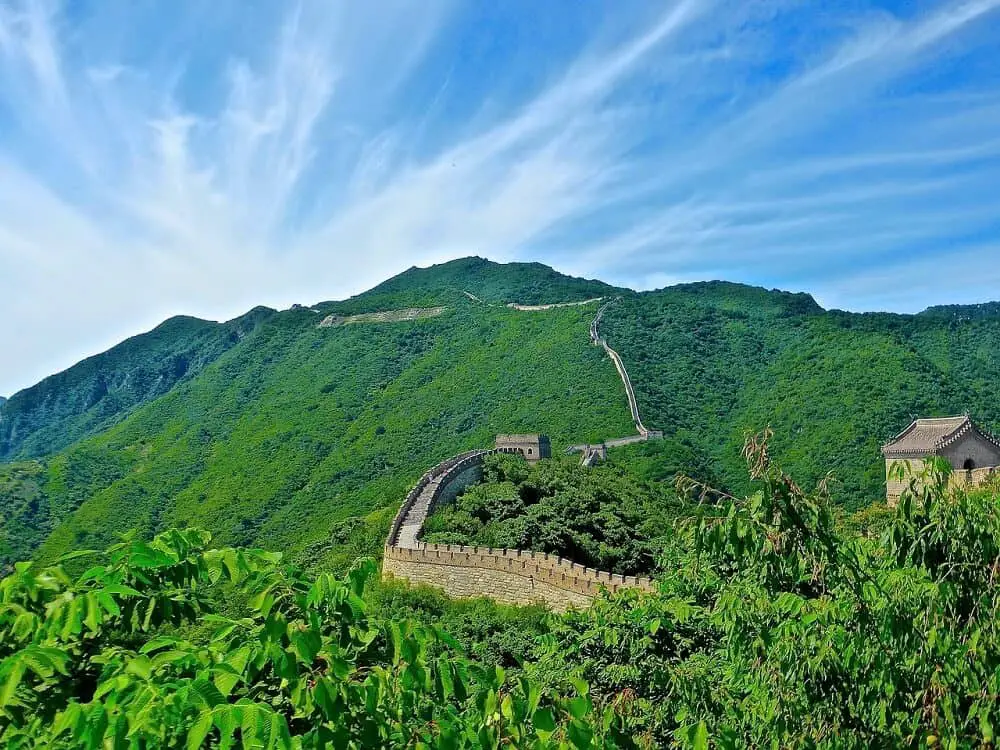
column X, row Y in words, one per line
column 113, row 658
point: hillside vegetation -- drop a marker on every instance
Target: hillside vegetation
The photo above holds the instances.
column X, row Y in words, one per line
column 96, row 393
column 305, row 439
column 284, row 434
column 602, row 517
column 711, row 362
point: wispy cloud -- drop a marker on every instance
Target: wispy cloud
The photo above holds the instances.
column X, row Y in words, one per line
column 207, row 159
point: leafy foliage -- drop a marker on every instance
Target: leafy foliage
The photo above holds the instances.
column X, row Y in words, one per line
column 94, row 663
column 771, row 629
column 599, row 516
column 712, row 361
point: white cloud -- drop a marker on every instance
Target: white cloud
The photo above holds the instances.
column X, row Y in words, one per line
column 243, row 164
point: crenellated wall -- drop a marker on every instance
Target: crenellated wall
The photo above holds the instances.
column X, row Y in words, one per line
column 506, row 575
column 509, row 576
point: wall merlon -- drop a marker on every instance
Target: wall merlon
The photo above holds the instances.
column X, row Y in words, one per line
column 512, row 575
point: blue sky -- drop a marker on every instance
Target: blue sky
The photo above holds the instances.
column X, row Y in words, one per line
column 167, row 157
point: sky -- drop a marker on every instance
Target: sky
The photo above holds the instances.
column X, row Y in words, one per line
column 202, row 158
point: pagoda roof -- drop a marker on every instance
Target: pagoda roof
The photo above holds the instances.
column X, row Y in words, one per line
column 927, row 437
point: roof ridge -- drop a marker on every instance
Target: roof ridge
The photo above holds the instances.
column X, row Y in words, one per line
column 927, row 436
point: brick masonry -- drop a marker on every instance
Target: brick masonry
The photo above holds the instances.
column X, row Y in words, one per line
column 508, row 576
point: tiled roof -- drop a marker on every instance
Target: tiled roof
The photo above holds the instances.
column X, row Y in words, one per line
column 925, row 437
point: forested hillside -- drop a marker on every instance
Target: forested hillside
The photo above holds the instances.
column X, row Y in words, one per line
column 712, row 361
column 274, row 431
column 306, row 438
column 99, row 391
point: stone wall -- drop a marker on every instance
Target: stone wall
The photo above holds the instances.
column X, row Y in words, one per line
column 893, row 487
column 597, row 339
column 972, row 448
column 914, row 467
column 510, row 576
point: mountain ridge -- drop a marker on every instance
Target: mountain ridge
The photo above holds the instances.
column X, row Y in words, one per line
column 306, row 439
column 99, row 390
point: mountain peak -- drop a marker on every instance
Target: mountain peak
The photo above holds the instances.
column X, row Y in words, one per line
column 527, row 283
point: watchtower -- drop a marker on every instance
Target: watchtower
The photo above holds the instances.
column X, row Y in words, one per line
column 973, row 453
column 533, row 447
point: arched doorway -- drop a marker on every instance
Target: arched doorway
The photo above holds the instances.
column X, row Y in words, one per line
column 969, row 464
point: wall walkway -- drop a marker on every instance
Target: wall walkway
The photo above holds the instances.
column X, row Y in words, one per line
column 590, row 454
column 506, row 575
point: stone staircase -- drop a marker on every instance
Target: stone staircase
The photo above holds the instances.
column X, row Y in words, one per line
column 414, row 520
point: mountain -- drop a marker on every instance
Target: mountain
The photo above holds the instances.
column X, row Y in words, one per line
column 713, row 361
column 524, row 283
column 305, row 437
column 302, row 430
column 99, row 391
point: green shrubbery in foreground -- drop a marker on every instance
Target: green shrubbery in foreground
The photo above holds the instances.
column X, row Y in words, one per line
column 96, row 662
column 772, row 628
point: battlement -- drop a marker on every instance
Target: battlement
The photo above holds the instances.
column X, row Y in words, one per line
column 508, row 575
column 532, row 446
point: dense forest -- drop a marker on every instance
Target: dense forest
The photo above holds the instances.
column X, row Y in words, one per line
column 770, row 627
column 602, row 517
column 272, row 431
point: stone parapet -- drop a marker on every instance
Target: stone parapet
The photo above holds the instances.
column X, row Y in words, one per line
column 517, row 576
column 542, row 565
column 507, row 575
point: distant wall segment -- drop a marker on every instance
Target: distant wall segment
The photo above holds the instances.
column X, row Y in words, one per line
column 508, row 576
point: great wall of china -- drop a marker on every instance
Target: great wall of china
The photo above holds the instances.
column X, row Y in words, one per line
column 506, row 575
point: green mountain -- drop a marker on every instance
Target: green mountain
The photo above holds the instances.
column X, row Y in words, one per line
column 302, row 430
column 98, row 392
column 523, row 283
column 712, row 361
column 306, row 437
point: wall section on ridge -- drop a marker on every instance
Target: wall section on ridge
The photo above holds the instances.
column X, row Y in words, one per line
column 506, row 575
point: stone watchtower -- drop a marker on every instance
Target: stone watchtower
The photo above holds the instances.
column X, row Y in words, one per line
column 973, row 453
column 532, row 447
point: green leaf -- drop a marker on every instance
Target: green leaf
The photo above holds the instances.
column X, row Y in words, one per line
column 544, row 721
column 578, row 707
column 700, row 738
column 140, row 667
column 208, row 693
column 11, row 671
column 121, row 590
column 581, row 735
column 199, row 730
column 985, row 727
